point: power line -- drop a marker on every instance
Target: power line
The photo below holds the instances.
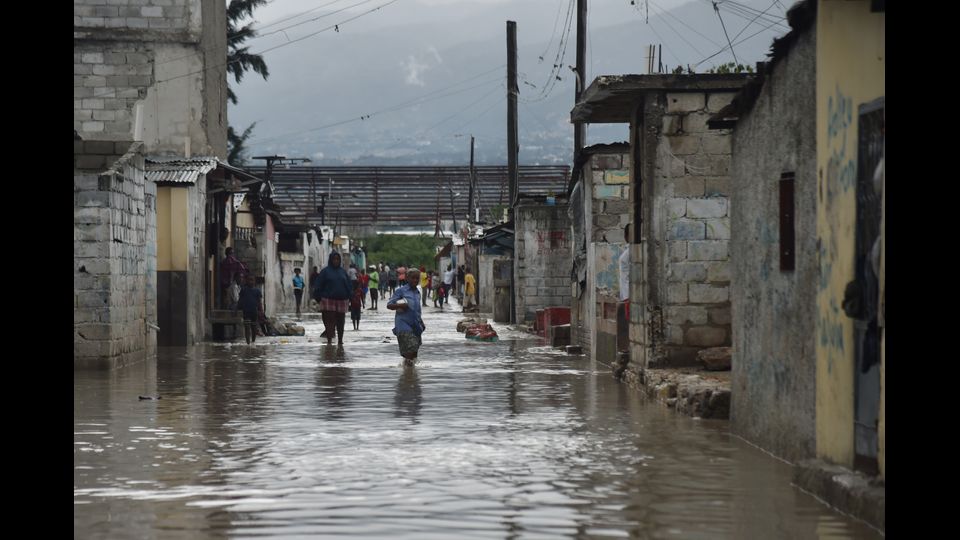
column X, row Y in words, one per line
column 278, row 21
column 313, row 19
column 665, row 21
column 735, row 9
column 252, row 34
column 409, row 103
column 264, row 51
column 458, row 113
column 548, row 85
column 554, row 33
column 485, row 111
column 663, row 41
column 755, row 18
column 738, row 43
column 715, row 8
column 681, row 21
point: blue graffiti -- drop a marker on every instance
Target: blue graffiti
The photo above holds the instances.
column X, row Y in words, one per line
column 826, row 266
column 839, row 114
column 831, row 333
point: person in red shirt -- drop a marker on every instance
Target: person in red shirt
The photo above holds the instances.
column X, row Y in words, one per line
column 364, row 286
column 356, row 304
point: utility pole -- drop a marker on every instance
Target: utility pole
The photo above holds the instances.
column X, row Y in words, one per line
column 270, row 160
column 579, row 129
column 472, row 181
column 453, row 212
column 513, row 150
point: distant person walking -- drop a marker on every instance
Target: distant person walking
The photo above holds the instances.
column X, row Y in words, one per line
column 314, row 280
column 365, row 285
column 334, row 291
column 251, row 304
column 356, row 305
column 352, row 272
column 424, row 278
column 470, row 290
column 460, row 277
column 230, row 266
column 448, row 282
column 297, row 289
column 393, row 279
column 374, row 286
column 408, row 323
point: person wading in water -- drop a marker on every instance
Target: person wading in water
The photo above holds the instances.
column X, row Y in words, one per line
column 334, row 290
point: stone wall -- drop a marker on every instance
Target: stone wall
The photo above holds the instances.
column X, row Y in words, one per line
column 152, row 70
column 543, row 258
column 680, row 275
column 196, row 265
column 285, row 299
column 774, row 311
column 114, row 255
column 607, row 175
column 485, row 280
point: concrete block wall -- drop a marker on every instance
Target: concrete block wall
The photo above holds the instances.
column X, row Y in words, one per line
column 112, row 73
column 287, row 261
column 610, row 196
column 682, row 285
column 114, row 255
column 542, row 258
column 485, row 280
column 773, row 379
column 156, row 15
column 695, row 225
column 144, row 59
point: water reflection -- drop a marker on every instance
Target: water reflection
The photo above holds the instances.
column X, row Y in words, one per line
column 408, row 397
column 515, row 441
column 333, row 383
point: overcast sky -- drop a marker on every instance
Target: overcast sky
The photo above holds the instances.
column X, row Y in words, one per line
column 320, row 75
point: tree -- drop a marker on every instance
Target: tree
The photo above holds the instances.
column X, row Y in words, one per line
column 402, row 249
column 731, row 67
column 236, row 146
column 239, row 59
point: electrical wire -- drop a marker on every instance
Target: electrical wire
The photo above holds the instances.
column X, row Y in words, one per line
column 739, row 42
column 264, row 51
column 403, row 105
column 717, row 10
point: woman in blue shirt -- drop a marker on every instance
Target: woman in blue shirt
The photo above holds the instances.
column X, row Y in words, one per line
column 407, row 323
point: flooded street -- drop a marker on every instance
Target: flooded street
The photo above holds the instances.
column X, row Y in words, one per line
column 291, row 438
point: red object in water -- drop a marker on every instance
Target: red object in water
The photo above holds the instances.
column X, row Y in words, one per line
column 555, row 316
column 477, row 329
column 487, row 335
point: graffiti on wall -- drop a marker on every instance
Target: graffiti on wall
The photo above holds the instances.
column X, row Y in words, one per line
column 608, row 269
column 842, row 167
column 549, row 242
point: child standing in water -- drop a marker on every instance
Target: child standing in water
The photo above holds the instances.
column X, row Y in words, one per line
column 356, row 304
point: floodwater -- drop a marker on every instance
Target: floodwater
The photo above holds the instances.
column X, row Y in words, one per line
column 295, row 439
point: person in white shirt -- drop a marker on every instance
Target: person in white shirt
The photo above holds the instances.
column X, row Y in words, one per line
column 448, row 282
column 623, row 307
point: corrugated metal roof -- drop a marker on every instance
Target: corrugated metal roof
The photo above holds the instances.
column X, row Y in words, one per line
column 178, row 170
column 411, row 195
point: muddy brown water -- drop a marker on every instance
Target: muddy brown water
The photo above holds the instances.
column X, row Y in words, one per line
column 295, row 439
